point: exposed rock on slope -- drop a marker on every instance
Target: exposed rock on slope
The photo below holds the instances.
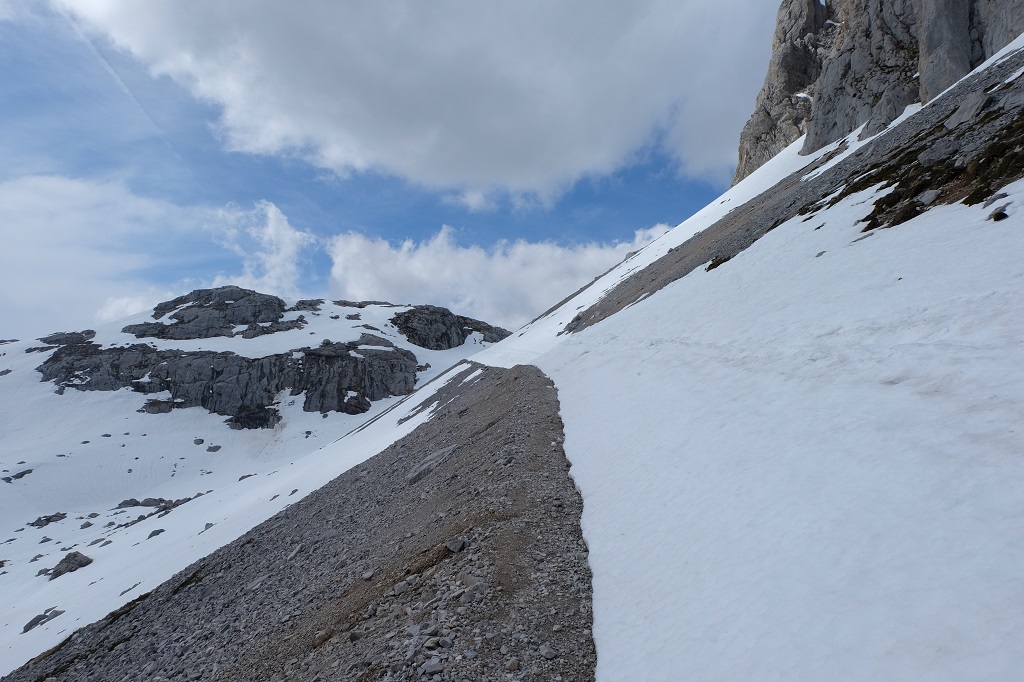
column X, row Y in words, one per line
column 205, row 313
column 472, row 570
column 859, row 62
column 333, row 377
column 960, row 148
column 437, row 328
column 783, row 109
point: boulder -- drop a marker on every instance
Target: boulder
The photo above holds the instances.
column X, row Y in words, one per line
column 71, row 562
column 206, row 313
column 437, row 328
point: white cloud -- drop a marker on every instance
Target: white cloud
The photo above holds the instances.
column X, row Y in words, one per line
column 81, row 252
column 473, row 201
column 522, row 97
column 270, row 248
column 508, row 284
column 71, row 244
column 77, row 253
column 119, row 307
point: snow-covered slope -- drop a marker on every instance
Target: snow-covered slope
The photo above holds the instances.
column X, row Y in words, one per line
column 820, row 478
column 88, row 451
column 806, row 463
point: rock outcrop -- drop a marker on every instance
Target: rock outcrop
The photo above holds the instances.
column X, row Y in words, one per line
column 333, row 377
column 851, row 63
column 963, row 148
column 436, row 328
column 69, row 564
column 206, row 313
column 782, row 111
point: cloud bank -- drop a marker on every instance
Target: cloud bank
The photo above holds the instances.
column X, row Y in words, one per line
column 73, row 247
column 508, row 284
column 82, row 252
column 484, row 99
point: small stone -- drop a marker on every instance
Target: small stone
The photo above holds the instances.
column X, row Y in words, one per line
column 198, row 441
column 470, row 655
column 547, row 652
column 368, row 575
column 456, row 545
column 999, row 214
column 155, row 533
column 434, row 665
column 401, row 588
column 512, row 665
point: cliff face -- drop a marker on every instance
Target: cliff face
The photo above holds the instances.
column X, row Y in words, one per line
column 848, row 63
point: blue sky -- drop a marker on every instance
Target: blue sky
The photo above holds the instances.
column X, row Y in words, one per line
column 491, row 159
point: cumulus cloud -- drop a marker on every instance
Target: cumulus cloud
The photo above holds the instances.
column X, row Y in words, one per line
column 271, row 249
column 81, row 252
column 522, row 97
column 508, row 284
column 73, row 246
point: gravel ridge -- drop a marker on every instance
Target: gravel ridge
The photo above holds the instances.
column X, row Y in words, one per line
column 454, row 554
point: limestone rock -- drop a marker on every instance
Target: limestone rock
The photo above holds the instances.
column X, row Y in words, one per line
column 205, row 313
column 65, row 338
column 332, row 376
column 945, row 45
column 71, row 562
column 437, row 328
column 783, row 107
column 995, row 23
column 849, row 63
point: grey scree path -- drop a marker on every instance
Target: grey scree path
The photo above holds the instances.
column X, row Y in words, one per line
column 455, row 554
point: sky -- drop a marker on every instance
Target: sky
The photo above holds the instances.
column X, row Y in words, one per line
column 489, row 157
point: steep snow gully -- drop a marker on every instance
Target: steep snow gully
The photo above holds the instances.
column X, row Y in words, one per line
column 793, row 423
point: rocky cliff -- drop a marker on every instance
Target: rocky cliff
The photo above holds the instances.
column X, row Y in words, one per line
column 842, row 64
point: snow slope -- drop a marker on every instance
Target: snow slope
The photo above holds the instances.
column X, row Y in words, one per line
column 807, row 463
column 89, row 450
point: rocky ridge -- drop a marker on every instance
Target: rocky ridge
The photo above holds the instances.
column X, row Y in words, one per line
column 842, row 64
column 438, row 328
column 333, row 376
column 963, row 147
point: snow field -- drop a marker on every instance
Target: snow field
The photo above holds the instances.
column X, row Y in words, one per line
column 804, row 467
